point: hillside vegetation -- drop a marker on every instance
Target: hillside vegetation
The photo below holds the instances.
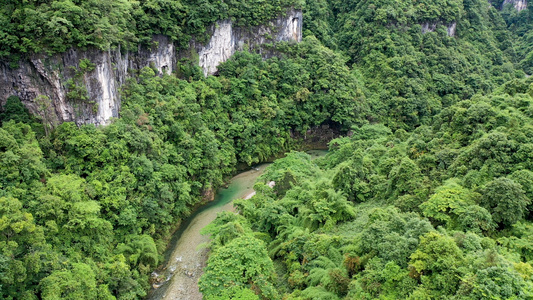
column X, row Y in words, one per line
column 427, row 195
column 52, row 26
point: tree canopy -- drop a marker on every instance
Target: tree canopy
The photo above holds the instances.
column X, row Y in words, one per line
column 425, row 193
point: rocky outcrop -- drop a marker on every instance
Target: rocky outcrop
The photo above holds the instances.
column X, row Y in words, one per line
column 430, row 27
column 227, row 39
column 208, row 194
column 60, row 89
column 451, row 29
column 518, row 4
column 58, row 84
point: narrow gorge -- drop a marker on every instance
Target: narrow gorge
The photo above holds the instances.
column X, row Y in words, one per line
column 120, row 120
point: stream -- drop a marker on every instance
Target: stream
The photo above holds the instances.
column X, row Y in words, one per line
column 188, row 254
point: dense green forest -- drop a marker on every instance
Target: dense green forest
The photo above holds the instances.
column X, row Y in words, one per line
column 426, row 195
column 52, row 26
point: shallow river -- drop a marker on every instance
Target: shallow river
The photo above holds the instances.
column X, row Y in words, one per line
column 189, row 254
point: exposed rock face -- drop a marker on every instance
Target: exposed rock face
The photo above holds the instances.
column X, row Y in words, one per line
column 50, row 79
column 220, row 48
column 208, row 194
column 430, row 27
column 227, row 39
column 57, row 89
column 518, row 4
column 451, row 29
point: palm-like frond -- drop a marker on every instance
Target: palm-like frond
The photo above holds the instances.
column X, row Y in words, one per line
column 318, row 293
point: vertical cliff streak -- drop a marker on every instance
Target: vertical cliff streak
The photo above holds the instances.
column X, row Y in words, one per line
column 296, row 30
column 108, row 98
column 52, row 78
column 163, row 58
column 518, row 4
column 430, row 27
column 49, row 76
column 227, row 39
column 220, row 47
column 451, row 29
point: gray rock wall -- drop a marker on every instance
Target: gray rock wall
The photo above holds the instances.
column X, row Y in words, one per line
column 227, row 39
column 518, row 4
column 45, row 83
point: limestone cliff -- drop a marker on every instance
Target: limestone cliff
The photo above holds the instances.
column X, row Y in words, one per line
column 55, row 85
column 59, row 89
column 430, row 27
column 227, row 39
column 518, row 4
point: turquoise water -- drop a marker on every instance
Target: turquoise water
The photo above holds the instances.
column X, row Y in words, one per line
column 187, row 254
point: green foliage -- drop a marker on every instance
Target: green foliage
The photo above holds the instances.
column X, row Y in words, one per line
column 437, row 154
column 86, row 65
column 498, row 283
column 226, row 227
column 435, row 253
column 436, row 261
column 390, row 235
column 385, row 281
column 298, row 164
column 78, row 283
column 115, row 192
column 17, row 233
column 55, row 26
column 237, row 293
column 21, row 158
column 411, row 74
column 329, row 274
column 519, row 241
column 313, row 80
column 15, row 110
column 467, row 173
column 244, row 263
column 505, row 200
column 454, row 207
